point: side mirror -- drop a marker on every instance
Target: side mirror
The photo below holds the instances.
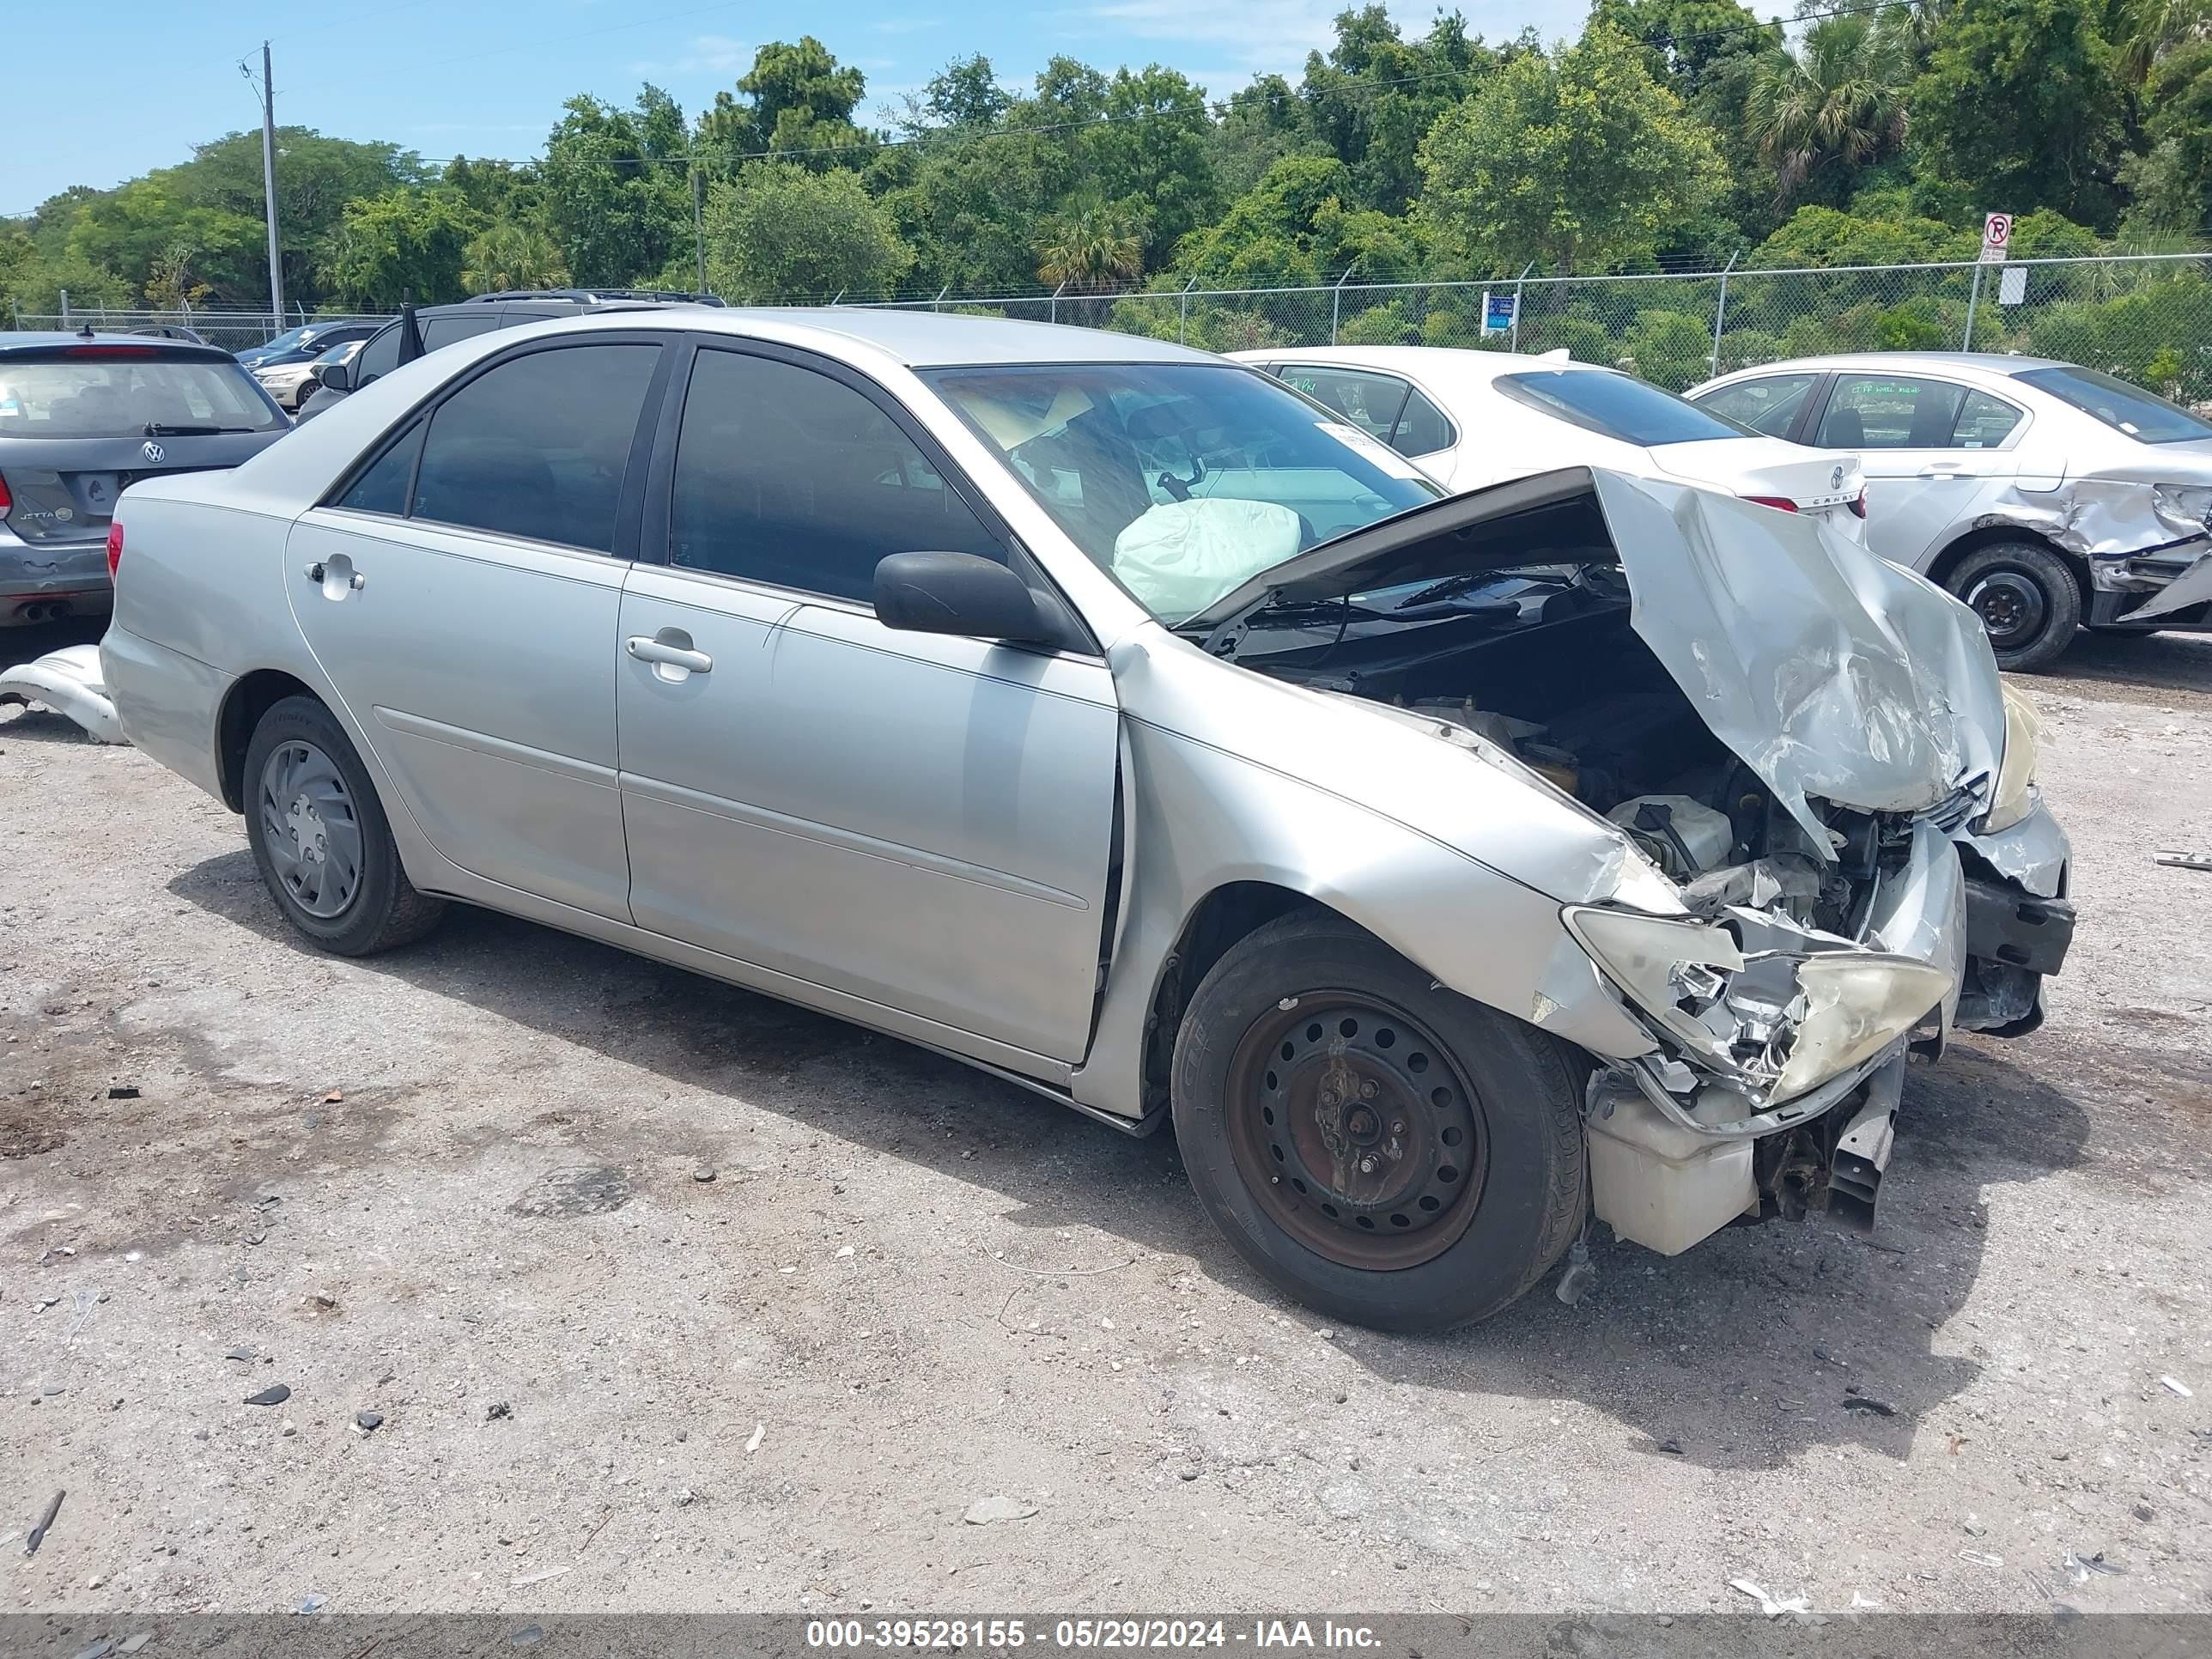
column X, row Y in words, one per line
column 338, row 376
column 956, row 593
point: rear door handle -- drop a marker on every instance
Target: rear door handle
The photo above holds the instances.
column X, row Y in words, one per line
column 1941, row 470
column 674, row 656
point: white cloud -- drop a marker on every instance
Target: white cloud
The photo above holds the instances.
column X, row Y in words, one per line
column 704, row 54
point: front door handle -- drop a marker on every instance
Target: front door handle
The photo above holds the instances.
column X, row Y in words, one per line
column 1940, row 469
column 670, row 656
column 336, row 583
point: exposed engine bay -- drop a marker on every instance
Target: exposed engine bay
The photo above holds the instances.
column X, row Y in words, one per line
column 1541, row 663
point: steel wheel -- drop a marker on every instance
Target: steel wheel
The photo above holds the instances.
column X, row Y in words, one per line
column 310, row 827
column 1351, row 1123
column 2011, row 605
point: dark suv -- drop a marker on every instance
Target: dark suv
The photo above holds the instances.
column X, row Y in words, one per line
column 440, row 326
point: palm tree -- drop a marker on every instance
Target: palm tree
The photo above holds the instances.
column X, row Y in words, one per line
column 1837, row 101
column 2151, row 28
column 1090, row 245
column 511, row 254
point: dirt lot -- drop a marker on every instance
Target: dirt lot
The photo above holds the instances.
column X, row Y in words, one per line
column 462, row 1187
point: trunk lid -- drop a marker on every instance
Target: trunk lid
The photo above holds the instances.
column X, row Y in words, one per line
column 1830, row 673
column 1813, row 478
column 65, row 490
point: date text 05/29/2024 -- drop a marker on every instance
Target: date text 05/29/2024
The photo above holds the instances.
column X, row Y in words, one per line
column 1005, row 1635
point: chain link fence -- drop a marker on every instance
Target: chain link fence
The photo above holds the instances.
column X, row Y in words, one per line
column 232, row 328
column 2146, row 318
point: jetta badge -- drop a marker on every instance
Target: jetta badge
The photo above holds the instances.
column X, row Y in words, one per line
column 1835, row 478
column 153, row 452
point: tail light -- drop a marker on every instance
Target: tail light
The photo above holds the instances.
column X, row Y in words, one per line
column 7, row 502
column 114, row 546
column 1781, row 502
column 1858, row 505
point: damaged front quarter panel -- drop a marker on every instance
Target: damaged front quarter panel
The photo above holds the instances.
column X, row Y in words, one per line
column 2134, row 532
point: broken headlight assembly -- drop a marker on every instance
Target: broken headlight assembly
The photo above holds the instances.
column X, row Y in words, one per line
column 1775, row 1013
column 2013, row 799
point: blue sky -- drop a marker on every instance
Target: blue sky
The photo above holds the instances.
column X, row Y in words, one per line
column 449, row 77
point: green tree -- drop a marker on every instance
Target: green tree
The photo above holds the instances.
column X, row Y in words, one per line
column 1092, row 245
column 778, row 232
column 1258, row 126
column 2022, row 102
column 796, row 100
column 2171, row 181
column 1820, row 114
column 1375, row 94
column 512, row 254
column 402, row 243
column 1149, row 150
column 618, row 194
column 1581, row 160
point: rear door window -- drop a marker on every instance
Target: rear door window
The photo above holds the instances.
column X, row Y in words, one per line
column 1370, row 402
column 1984, row 422
column 444, row 331
column 1422, row 428
column 537, row 446
column 1889, row 411
column 1770, row 404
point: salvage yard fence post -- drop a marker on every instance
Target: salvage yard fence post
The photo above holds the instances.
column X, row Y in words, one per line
column 1720, row 309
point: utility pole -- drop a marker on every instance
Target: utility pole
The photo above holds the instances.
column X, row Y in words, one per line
column 698, row 225
column 269, row 187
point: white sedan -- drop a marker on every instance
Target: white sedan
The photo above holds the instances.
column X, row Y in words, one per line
column 2043, row 495
column 1471, row 418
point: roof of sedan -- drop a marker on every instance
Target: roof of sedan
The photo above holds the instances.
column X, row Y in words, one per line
column 1989, row 362
column 1476, row 361
column 919, row 339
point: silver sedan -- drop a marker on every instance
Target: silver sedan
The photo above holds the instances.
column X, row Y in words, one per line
column 2046, row 495
column 1449, row 871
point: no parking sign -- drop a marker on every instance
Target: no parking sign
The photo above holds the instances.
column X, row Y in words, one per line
column 1996, row 237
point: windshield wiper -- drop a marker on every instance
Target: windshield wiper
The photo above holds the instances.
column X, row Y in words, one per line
column 162, row 429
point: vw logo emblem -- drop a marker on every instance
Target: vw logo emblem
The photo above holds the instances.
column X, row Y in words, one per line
column 153, row 452
column 1835, row 478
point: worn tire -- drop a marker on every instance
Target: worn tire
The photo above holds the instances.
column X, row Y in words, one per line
column 384, row 910
column 2021, row 578
column 1528, row 1107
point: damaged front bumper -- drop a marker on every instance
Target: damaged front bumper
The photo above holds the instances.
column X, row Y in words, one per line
column 1781, row 1048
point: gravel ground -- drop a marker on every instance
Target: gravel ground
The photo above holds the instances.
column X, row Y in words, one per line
column 463, row 1186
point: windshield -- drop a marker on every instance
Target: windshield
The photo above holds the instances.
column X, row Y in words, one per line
column 1183, row 480
column 1618, row 406
column 108, row 391
column 2143, row 416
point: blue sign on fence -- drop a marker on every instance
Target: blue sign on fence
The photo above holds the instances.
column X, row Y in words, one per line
column 1497, row 313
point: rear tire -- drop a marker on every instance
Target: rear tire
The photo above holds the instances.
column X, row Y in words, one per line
column 1383, row 1150
column 2027, row 599
column 320, row 838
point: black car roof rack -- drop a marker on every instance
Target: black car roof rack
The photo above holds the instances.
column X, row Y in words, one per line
column 595, row 296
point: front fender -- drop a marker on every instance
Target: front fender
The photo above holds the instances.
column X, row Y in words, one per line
column 1201, row 817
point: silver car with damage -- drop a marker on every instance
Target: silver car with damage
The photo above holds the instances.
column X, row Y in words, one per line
column 2047, row 496
column 1100, row 713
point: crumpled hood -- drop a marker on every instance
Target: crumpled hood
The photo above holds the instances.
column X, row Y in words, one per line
column 1830, row 673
